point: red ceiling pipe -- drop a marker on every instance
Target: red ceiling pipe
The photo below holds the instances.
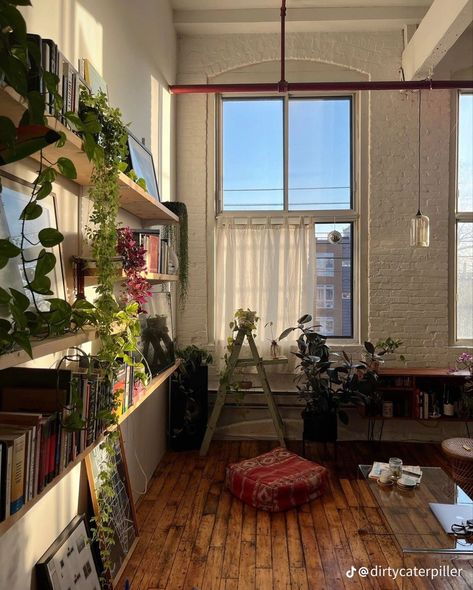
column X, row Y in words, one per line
column 321, row 86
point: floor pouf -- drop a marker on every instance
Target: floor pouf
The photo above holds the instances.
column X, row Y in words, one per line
column 460, row 453
column 276, row 481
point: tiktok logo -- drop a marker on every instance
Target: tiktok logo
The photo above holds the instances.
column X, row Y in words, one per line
column 351, row 572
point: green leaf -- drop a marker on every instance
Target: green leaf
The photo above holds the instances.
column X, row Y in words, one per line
column 75, row 120
column 306, row 318
column 4, row 296
column 62, row 142
column 91, row 123
column 31, row 211
column 89, row 145
column 83, row 304
column 122, row 166
column 5, row 325
column 20, row 2
column 7, row 131
column 41, row 285
column 60, row 305
column 44, row 191
column 50, row 237
column 16, row 21
column 8, row 249
column 18, row 316
column 45, row 264
column 3, row 261
column 21, row 300
column 51, row 81
column 15, row 72
column 47, row 175
column 23, row 340
column 285, row 333
column 142, row 183
column 67, row 168
column 36, row 107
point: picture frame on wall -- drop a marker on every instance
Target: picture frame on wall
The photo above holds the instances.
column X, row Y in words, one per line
column 141, row 161
column 14, row 197
column 69, row 561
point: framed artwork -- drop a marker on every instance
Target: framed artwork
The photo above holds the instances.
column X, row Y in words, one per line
column 141, row 161
column 157, row 337
column 123, row 522
column 69, row 562
column 13, row 199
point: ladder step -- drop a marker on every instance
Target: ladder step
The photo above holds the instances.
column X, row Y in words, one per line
column 252, row 363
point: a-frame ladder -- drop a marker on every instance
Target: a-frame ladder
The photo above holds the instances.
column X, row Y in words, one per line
column 254, row 361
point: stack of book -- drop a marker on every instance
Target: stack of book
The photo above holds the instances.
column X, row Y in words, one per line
column 53, row 61
column 157, row 250
column 36, row 440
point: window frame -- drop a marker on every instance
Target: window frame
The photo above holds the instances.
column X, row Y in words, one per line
column 456, row 217
column 357, row 215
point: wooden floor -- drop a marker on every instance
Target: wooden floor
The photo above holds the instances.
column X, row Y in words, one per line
column 195, row 535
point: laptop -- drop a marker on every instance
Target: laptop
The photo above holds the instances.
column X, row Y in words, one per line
column 448, row 514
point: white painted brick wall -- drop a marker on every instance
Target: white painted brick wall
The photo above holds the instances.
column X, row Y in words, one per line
column 408, row 288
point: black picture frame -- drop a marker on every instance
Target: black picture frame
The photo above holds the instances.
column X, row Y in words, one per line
column 69, row 562
column 140, row 159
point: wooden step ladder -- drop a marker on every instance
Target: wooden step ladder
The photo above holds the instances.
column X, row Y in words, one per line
column 254, row 361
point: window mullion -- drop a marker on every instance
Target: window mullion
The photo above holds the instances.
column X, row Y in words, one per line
column 286, row 151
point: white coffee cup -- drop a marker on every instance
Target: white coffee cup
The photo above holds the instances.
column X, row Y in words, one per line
column 385, row 476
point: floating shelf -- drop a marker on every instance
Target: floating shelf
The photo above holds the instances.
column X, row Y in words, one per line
column 45, row 347
column 151, row 276
column 150, row 389
column 133, row 198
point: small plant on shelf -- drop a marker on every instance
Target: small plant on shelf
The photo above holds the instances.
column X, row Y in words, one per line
column 138, row 288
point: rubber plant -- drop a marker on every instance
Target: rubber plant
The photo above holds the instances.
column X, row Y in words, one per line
column 26, row 320
column 181, row 233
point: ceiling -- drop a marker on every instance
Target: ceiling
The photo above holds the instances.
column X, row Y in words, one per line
column 263, row 16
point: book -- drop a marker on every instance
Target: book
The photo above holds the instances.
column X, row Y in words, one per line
column 34, row 421
column 411, row 470
column 5, row 477
column 153, row 253
column 17, row 440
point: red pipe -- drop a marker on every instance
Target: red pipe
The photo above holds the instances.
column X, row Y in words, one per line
column 321, row 86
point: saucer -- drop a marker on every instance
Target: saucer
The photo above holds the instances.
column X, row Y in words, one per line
column 407, row 482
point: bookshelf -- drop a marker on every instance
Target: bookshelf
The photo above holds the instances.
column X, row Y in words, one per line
column 133, row 198
column 150, row 389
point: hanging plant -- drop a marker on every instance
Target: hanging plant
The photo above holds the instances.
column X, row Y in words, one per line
column 138, row 288
column 180, row 210
column 26, row 320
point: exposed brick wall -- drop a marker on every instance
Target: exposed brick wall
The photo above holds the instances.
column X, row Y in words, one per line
column 407, row 288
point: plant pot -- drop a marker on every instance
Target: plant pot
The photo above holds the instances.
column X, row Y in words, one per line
column 320, row 427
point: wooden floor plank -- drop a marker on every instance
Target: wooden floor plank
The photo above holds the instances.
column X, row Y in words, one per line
column 194, row 534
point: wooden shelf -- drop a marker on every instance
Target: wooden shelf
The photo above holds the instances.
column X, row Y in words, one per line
column 45, row 347
column 150, row 389
column 133, row 198
column 151, row 276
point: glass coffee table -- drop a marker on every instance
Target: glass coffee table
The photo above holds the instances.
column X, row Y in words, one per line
column 408, row 514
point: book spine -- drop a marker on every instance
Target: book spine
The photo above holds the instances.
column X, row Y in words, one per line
column 18, row 474
column 8, row 480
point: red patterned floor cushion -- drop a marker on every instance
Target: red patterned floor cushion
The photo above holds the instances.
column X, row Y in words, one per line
column 276, row 481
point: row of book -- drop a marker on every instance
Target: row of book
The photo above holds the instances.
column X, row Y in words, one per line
column 53, row 61
column 37, row 438
column 157, row 257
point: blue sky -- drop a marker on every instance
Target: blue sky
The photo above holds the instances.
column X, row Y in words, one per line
column 319, row 153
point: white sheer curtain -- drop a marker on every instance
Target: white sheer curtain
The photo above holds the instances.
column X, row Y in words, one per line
column 267, row 267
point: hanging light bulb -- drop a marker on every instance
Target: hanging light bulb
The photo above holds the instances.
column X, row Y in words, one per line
column 420, row 224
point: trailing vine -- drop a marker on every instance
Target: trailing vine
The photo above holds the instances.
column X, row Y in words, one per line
column 180, row 210
column 26, row 320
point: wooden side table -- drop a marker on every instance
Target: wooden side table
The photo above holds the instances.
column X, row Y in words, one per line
column 460, row 454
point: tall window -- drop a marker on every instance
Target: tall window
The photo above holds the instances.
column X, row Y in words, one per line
column 294, row 154
column 464, row 220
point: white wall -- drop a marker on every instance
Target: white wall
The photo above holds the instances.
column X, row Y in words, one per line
column 134, row 47
column 406, row 288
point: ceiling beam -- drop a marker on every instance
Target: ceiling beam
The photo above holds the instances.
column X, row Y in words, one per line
column 436, row 34
column 298, row 19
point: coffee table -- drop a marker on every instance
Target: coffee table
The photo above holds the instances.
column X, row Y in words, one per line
column 407, row 513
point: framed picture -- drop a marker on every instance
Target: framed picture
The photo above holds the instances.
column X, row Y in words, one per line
column 157, row 338
column 14, row 197
column 69, row 562
column 141, row 161
column 123, row 522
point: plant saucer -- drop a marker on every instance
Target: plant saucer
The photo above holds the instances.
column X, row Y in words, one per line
column 385, row 484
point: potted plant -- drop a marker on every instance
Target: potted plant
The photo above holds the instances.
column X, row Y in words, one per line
column 326, row 381
column 189, row 399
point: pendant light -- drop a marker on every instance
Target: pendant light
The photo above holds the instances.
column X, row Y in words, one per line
column 420, row 230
